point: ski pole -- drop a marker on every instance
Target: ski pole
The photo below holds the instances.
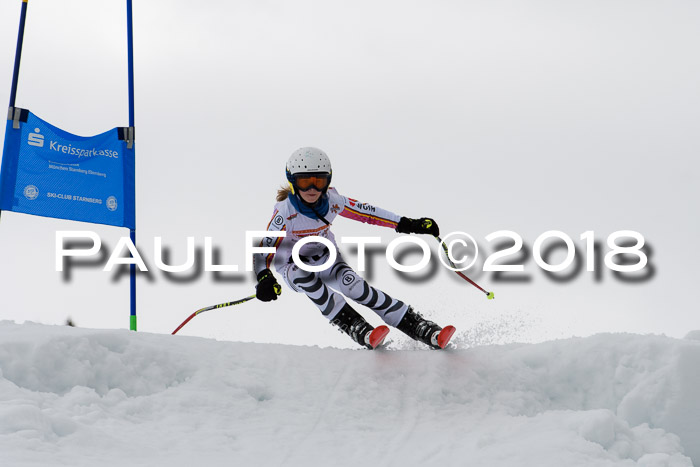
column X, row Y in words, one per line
column 220, row 305
column 489, row 295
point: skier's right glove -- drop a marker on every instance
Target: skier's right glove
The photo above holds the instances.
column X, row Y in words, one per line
column 267, row 288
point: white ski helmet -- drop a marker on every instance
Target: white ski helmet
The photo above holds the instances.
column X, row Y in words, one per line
column 308, row 160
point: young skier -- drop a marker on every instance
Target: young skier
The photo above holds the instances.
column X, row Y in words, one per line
column 308, row 207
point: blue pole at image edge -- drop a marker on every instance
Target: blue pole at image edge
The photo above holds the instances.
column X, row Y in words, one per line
column 132, row 286
column 18, row 57
column 18, row 53
column 132, row 232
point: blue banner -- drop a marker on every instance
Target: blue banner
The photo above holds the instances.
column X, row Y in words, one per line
column 49, row 172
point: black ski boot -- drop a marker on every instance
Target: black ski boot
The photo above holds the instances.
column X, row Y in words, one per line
column 418, row 328
column 354, row 325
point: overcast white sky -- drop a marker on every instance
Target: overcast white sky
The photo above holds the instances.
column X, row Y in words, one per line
column 486, row 115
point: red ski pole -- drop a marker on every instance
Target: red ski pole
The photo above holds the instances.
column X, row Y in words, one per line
column 213, row 307
column 489, row 295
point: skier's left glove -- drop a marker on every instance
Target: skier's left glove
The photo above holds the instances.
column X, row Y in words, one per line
column 267, row 288
column 424, row 225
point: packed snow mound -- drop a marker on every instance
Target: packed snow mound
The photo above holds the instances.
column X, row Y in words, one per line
column 90, row 397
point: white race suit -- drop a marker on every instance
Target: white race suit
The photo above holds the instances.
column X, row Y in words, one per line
column 325, row 288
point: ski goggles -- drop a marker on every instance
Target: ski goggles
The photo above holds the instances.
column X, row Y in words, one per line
column 307, row 182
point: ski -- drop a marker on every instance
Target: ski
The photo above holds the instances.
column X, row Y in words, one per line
column 376, row 337
column 445, row 335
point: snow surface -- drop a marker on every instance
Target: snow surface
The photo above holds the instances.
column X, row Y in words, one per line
column 73, row 396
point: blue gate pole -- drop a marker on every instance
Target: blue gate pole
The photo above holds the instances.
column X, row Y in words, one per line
column 130, row 39
column 18, row 53
column 18, row 56
column 132, row 232
column 132, row 286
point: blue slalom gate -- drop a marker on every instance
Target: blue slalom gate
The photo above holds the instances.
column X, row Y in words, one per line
column 50, row 172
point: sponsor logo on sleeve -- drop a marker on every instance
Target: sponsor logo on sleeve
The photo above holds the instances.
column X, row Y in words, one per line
column 366, row 207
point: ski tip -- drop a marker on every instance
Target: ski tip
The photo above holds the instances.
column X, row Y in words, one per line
column 445, row 336
column 377, row 336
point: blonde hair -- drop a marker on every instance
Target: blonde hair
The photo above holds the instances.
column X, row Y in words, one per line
column 283, row 193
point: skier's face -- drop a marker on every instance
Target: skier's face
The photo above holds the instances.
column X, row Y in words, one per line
column 310, row 196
